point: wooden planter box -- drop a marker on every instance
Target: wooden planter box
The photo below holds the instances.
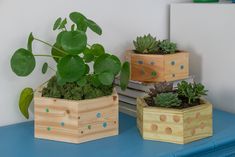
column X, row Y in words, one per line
column 174, row 125
column 75, row 121
column 158, row 68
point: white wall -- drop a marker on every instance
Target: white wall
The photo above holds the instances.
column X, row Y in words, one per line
column 121, row 20
column 207, row 31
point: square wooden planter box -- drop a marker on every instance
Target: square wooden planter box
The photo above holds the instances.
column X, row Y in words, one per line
column 158, row 68
column 174, row 125
column 75, row 121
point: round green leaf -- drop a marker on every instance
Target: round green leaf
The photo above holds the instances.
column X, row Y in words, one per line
column 44, row 68
column 71, row 68
column 74, row 42
column 79, row 20
column 88, row 55
column 87, row 69
column 30, row 41
column 57, row 23
column 95, row 81
column 22, row 62
column 97, row 49
column 59, row 80
column 63, row 23
column 106, row 78
column 82, row 82
column 58, row 38
column 106, row 63
column 54, row 52
column 94, row 27
column 125, row 75
column 26, row 97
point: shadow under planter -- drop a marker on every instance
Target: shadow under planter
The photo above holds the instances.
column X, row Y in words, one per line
column 75, row 121
column 158, row 68
column 174, row 125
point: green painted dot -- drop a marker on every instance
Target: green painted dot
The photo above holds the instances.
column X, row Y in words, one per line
column 182, row 67
column 105, row 124
column 154, row 73
column 98, row 115
column 47, row 110
column 62, row 123
column 89, row 127
column 152, row 63
column 48, row 129
column 172, row 62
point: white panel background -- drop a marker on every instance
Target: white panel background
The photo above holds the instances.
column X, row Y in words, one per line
column 121, row 20
column 208, row 32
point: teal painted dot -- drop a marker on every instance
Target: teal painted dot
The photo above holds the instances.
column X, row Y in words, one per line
column 89, row 127
column 47, row 110
column 48, row 129
column 140, row 62
column 98, row 115
column 182, row 67
column 152, row 63
column 154, row 73
column 62, row 123
column 173, row 75
column 172, row 62
column 105, row 124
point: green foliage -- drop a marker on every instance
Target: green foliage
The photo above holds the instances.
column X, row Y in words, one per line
column 191, row 91
column 26, row 97
column 162, row 87
column 167, row 47
column 76, row 90
column 146, row 44
column 71, row 52
column 167, row 100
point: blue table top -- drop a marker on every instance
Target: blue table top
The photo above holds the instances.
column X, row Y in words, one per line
column 18, row 140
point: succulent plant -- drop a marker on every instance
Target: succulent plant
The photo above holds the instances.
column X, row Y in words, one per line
column 162, row 87
column 146, row 44
column 191, row 91
column 167, row 100
column 167, row 47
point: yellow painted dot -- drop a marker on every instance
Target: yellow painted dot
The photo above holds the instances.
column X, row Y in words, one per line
column 154, row 127
column 163, row 118
column 168, row 130
column 176, row 119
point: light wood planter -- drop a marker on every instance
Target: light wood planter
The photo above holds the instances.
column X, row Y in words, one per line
column 75, row 121
column 158, row 68
column 174, row 125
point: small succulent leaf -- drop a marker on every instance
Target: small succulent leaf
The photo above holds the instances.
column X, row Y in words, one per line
column 71, row 68
column 106, row 78
column 30, row 41
column 57, row 23
column 22, row 62
column 97, row 49
column 26, row 97
column 74, row 42
column 94, row 27
column 44, row 68
column 63, row 24
column 125, row 75
column 55, row 52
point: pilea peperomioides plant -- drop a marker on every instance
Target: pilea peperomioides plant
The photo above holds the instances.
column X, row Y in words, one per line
column 72, row 53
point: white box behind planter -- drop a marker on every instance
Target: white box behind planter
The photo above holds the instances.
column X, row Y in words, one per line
column 208, row 32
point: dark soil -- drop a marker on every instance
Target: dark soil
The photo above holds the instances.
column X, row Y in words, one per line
column 150, row 102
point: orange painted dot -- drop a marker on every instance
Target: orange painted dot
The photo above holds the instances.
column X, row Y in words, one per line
column 154, row 127
column 168, row 130
column 202, row 125
column 114, row 98
column 197, row 115
column 176, row 119
column 67, row 111
column 114, row 122
column 193, row 131
column 189, row 120
column 163, row 118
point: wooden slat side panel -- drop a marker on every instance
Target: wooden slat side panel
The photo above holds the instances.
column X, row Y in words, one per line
column 176, row 66
column 140, row 106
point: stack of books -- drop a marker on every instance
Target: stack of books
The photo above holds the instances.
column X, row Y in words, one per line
column 127, row 98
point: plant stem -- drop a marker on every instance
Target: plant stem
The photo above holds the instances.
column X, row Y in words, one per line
column 51, row 46
column 48, row 56
column 88, row 45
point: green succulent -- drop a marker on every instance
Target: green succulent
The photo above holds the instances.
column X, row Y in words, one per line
column 191, row 91
column 162, row 87
column 146, row 44
column 167, row 100
column 167, row 47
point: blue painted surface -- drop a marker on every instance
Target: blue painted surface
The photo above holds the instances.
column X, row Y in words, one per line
column 17, row 140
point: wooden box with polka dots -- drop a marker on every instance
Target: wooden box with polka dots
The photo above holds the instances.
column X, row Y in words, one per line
column 158, row 68
column 174, row 125
column 75, row 121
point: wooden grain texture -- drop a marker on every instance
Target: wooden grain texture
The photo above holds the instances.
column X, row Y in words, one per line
column 158, row 68
column 75, row 121
column 174, row 125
